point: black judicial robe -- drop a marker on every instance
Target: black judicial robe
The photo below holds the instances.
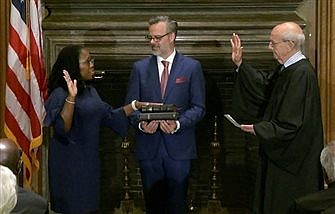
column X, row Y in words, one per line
column 285, row 110
column 318, row 202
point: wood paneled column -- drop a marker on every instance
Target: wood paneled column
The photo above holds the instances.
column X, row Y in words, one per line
column 326, row 65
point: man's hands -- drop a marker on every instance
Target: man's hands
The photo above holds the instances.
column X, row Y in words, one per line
column 167, row 126
column 149, row 127
column 236, row 49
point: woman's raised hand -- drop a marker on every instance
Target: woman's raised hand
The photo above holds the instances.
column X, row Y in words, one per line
column 71, row 84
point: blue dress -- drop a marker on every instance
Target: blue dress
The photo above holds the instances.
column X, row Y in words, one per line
column 74, row 172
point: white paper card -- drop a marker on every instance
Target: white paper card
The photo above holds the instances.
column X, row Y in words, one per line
column 231, row 119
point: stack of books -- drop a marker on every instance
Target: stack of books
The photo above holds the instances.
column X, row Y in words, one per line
column 159, row 112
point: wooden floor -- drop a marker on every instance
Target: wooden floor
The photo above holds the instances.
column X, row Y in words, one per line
column 202, row 211
column 213, row 207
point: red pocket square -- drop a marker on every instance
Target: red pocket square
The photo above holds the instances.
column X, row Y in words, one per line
column 181, row 79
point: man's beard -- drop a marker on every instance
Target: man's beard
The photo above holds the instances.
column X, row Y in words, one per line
column 156, row 50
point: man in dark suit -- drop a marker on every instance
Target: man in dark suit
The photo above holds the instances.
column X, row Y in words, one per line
column 165, row 148
column 27, row 201
column 324, row 200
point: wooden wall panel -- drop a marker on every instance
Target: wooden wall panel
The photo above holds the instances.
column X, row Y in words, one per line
column 326, row 65
column 115, row 31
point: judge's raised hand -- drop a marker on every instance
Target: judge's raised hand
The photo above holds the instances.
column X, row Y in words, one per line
column 71, row 84
column 236, row 49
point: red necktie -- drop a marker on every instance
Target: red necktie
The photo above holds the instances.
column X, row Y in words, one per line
column 165, row 76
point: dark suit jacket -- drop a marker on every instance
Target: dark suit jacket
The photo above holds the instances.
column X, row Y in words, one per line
column 319, row 202
column 30, row 203
column 185, row 89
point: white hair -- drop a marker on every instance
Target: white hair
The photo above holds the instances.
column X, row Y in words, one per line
column 327, row 159
column 8, row 190
column 291, row 31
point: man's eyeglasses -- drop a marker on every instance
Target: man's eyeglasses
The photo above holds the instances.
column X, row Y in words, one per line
column 89, row 61
column 273, row 43
column 155, row 38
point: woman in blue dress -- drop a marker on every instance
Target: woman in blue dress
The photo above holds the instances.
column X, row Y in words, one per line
column 76, row 112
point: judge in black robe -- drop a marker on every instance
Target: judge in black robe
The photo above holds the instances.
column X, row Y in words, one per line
column 283, row 108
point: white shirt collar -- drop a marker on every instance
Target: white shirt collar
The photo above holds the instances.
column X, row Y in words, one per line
column 160, row 64
column 294, row 58
column 169, row 59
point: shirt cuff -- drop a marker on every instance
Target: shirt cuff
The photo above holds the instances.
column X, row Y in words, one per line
column 133, row 105
column 139, row 127
column 177, row 127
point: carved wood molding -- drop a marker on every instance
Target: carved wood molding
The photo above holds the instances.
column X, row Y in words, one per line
column 114, row 30
column 326, row 65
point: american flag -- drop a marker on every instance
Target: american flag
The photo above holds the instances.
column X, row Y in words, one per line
column 26, row 88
